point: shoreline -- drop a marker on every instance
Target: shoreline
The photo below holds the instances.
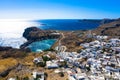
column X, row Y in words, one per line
column 67, row 31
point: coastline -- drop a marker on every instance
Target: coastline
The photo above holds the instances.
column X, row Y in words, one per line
column 77, row 46
column 64, row 31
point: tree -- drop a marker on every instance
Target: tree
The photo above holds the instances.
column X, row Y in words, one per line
column 26, row 78
column 45, row 58
column 63, row 64
column 41, row 64
column 17, row 78
column 61, row 74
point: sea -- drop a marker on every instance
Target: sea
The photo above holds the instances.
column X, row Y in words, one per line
column 69, row 24
column 11, row 31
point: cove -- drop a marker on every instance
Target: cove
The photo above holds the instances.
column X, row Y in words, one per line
column 39, row 46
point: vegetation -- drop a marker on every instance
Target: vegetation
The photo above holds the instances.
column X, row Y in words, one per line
column 41, row 64
column 61, row 74
column 7, row 63
column 13, row 53
column 45, row 58
column 26, row 78
column 88, row 68
column 49, row 50
column 63, row 64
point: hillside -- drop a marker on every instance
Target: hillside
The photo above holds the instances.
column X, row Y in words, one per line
column 110, row 29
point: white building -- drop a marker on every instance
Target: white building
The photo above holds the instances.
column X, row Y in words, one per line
column 38, row 75
column 51, row 64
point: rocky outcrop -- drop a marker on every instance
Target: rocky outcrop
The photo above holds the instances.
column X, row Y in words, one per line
column 33, row 34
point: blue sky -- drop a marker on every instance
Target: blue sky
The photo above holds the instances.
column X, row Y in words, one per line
column 59, row 9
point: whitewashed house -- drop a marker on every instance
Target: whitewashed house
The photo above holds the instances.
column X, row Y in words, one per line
column 51, row 64
column 37, row 60
column 38, row 75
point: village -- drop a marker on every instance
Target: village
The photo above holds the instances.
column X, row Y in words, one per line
column 59, row 39
column 97, row 60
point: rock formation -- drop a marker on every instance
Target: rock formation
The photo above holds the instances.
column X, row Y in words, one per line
column 33, row 34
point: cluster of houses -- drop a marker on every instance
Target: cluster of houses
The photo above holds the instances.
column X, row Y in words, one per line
column 38, row 75
column 98, row 60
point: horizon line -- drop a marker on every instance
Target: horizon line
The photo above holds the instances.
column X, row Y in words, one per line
column 51, row 19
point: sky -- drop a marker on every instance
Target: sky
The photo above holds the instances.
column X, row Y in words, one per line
column 59, row 9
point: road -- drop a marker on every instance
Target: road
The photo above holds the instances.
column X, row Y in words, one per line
column 61, row 47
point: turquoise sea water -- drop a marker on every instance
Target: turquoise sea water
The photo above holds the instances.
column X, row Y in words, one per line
column 41, row 45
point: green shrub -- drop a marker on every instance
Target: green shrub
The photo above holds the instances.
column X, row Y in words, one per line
column 45, row 58
column 61, row 74
column 49, row 49
column 41, row 64
column 26, row 78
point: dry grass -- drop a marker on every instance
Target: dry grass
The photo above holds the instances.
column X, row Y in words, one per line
column 28, row 60
column 27, row 69
column 7, row 63
column 54, row 76
column 71, row 41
